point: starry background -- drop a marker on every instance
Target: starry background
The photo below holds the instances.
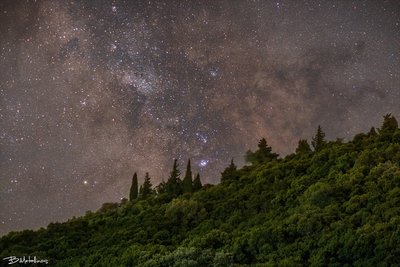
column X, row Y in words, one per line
column 91, row 91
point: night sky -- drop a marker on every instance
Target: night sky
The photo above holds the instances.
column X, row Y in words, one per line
column 92, row 91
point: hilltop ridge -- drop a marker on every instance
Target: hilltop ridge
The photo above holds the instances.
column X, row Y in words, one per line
column 333, row 203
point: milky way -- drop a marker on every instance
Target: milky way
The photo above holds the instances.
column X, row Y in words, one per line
column 92, row 91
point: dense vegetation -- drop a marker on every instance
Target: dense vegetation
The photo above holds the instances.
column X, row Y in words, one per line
column 332, row 204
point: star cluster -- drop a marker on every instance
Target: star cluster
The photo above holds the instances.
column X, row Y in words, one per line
column 92, row 91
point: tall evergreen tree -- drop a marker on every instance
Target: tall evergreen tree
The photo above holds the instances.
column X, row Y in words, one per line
column 187, row 184
column 197, row 183
column 263, row 154
column 230, row 173
column 263, row 147
column 145, row 189
column 389, row 125
column 318, row 140
column 303, row 147
column 133, row 193
column 173, row 185
column 388, row 128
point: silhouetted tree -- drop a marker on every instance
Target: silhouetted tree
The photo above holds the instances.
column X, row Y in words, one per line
column 230, row 173
column 389, row 125
column 388, row 128
column 303, row 147
column 145, row 189
column 197, row 183
column 133, row 193
column 263, row 154
column 318, row 140
column 187, row 184
column 263, row 147
column 173, row 185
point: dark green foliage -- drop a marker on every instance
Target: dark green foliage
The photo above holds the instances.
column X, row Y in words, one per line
column 133, row 193
column 388, row 128
column 187, row 183
column 318, row 141
column 174, row 183
column 339, row 206
column 146, row 189
column 389, row 124
column 230, row 173
column 303, row 147
column 372, row 132
column 262, row 154
column 197, row 183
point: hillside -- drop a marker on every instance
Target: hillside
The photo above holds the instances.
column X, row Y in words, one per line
column 335, row 205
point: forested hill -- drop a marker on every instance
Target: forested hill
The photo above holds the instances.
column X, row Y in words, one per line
column 333, row 203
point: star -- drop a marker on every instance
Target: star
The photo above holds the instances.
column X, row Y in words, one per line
column 214, row 73
column 203, row 162
column 83, row 102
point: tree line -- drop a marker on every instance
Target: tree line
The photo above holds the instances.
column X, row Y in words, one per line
column 264, row 153
column 174, row 186
column 329, row 203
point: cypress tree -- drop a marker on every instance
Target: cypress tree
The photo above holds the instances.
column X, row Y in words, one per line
column 318, row 140
column 197, row 183
column 133, row 193
column 187, row 184
column 173, row 185
column 145, row 189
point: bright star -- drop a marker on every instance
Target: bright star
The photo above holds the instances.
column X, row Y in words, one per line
column 204, row 162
